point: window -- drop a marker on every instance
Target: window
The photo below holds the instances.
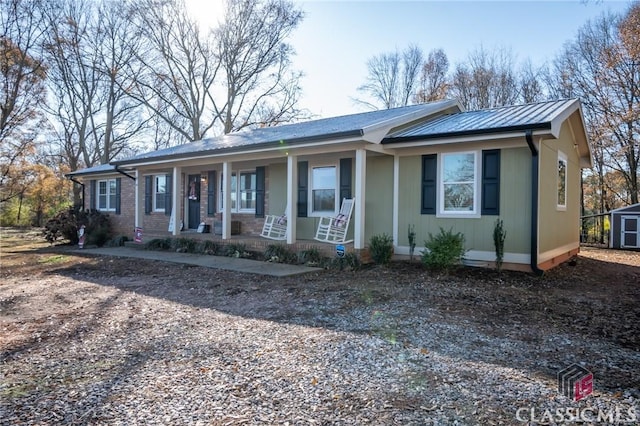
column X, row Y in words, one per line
column 245, row 191
column 106, row 195
column 458, row 186
column 323, row 189
column 159, row 192
column 562, row 181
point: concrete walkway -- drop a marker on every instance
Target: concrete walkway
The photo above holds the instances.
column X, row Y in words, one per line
column 216, row 262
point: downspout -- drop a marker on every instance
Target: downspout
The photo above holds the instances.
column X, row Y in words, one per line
column 534, row 203
column 74, row 180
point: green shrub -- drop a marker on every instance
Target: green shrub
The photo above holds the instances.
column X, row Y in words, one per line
column 208, row 247
column 381, row 249
column 66, row 224
column 411, row 235
column 350, row 261
column 279, row 253
column 499, row 235
column 237, row 250
column 117, row 241
column 158, row 244
column 444, row 250
column 185, row 245
column 311, row 257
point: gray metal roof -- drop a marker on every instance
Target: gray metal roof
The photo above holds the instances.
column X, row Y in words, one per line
column 353, row 125
column 495, row 120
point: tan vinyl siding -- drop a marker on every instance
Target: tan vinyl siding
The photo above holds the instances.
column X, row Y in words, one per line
column 558, row 228
column 515, row 183
column 379, row 197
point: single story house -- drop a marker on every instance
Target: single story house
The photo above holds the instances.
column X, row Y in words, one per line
column 625, row 227
column 429, row 166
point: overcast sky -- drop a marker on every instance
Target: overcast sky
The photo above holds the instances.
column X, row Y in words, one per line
column 336, row 38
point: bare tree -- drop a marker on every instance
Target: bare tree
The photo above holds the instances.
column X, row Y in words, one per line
column 174, row 75
column 116, row 43
column 260, row 87
column 602, row 67
column 433, row 83
column 75, row 79
column 530, row 82
column 22, row 75
column 392, row 79
column 486, row 80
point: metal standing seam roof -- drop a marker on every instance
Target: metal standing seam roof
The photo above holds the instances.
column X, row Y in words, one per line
column 503, row 119
column 352, row 125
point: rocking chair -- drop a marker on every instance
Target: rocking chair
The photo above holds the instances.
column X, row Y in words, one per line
column 275, row 227
column 334, row 229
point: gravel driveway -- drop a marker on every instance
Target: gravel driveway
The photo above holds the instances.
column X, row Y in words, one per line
column 99, row 340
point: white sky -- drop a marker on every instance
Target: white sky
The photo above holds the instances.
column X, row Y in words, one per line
column 336, row 38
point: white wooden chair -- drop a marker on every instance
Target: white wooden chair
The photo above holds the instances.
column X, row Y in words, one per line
column 275, row 227
column 334, row 229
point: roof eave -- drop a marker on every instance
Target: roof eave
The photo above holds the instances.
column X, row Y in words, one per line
column 470, row 133
column 237, row 149
column 376, row 133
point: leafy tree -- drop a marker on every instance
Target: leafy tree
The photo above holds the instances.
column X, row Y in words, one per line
column 601, row 66
column 22, row 90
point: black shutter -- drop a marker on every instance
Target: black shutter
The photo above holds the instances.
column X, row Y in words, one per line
column 260, row 191
column 303, row 187
column 211, row 193
column 93, row 195
column 429, row 183
column 491, row 182
column 148, row 187
column 345, row 178
column 118, row 190
column 168, row 194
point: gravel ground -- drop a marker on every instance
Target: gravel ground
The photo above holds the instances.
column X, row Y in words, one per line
column 91, row 340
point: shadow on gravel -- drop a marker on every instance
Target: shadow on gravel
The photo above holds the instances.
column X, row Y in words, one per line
column 588, row 313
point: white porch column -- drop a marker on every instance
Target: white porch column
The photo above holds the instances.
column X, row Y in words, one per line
column 292, row 197
column 226, row 202
column 396, row 198
column 136, row 200
column 360, row 191
column 175, row 199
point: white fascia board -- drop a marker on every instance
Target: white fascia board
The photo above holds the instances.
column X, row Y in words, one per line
column 378, row 131
column 582, row 140
column 464, row 139
column 562, row 116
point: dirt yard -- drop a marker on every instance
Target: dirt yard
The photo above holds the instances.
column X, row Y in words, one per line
column 102, row 340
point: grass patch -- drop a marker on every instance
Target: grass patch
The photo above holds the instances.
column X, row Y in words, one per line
column 54, row 259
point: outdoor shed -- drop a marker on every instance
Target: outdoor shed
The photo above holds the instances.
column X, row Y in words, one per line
column 625, row 227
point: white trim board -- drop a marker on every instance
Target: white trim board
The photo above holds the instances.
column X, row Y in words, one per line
column 475, row 255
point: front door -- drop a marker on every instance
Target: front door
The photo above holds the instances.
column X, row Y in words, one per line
column 193, row 195
column 630, row 236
